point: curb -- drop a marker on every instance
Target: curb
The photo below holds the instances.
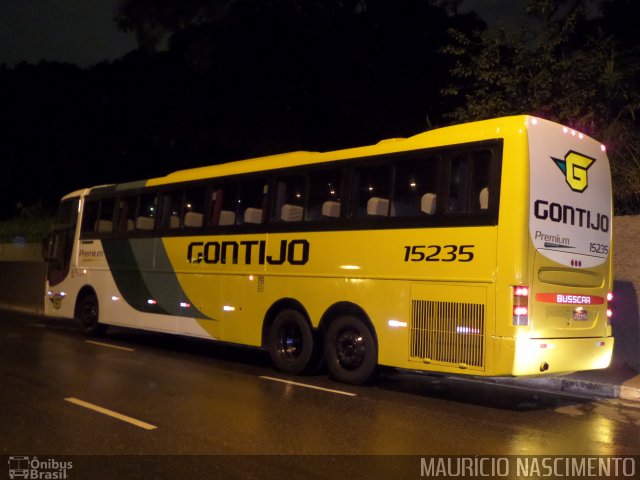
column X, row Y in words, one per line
column 628, row 390
column 30, row 309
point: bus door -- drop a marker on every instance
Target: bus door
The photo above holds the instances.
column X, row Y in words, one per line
column 60, row 245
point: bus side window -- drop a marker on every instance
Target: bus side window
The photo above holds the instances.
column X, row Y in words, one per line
column 126, row 211
column 104, row 223
column 480, row 180
column 324, row 197
column 224, row 205
column 416, row 181
column 90, row 215
column 469, row 182
column 289, row 201
column 371, row 191
column 194, row 203
column 172, row 209
column 251, row 200
column 147, row 212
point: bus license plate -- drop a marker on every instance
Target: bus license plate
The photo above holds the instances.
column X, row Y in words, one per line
column 580, row 315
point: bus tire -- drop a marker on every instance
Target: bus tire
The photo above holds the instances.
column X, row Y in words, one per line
column 350, row 350
column 87, row 315
column 290, row 342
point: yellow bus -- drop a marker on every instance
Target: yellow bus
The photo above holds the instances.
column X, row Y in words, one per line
column 482, row 249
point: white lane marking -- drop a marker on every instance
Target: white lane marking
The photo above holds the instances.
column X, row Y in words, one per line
column 339, row 392
column 110, row 346
column 111, row 413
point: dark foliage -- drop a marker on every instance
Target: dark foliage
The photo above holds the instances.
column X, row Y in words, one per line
column 234, row 79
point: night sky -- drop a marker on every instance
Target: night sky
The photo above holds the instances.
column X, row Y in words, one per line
column 75, row 31
column 83, row 32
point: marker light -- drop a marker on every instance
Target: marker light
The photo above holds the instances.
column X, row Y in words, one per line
column 228, row 308
column 151, row 301
column 397, row 323
column 609, row 310
column 521, row 291
column 520, row 305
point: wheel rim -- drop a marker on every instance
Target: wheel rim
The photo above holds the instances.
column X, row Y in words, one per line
column 350, row 349
column 290, row 342
column 89, row 313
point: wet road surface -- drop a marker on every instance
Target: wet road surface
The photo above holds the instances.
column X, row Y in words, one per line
column 141, row 393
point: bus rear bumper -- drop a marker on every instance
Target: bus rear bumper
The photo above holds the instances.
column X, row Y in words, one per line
column 536, row 356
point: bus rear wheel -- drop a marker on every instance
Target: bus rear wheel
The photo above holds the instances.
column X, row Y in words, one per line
column 350, row 350
column 290, row 342
column 87, row 315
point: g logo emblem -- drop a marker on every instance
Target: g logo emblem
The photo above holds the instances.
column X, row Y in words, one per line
column 575, row 166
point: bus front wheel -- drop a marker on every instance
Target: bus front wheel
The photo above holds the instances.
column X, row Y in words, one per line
column 350, row 350
column 290, row 342
column 88, row 314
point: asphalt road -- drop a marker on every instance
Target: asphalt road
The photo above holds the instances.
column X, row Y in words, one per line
column 143, row 394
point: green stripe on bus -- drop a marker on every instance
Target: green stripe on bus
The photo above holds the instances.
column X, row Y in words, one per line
column 127, row 275
column 146, row 283
column 161, row 280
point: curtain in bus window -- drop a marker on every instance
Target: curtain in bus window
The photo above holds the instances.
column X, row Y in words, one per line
column 126, row 212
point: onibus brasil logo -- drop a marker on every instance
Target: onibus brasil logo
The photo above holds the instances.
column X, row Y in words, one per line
column 575, row 166
column 35, row 469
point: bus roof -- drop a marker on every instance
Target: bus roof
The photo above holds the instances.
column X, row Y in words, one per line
column 495, row 128
column 474, row 131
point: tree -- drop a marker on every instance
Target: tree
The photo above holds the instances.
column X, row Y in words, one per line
column 562, row 66
column 277, row 75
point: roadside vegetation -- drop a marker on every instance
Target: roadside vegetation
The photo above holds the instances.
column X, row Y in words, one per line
column 32, row 224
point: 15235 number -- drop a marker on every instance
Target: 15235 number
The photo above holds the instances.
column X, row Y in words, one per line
column 438, row 253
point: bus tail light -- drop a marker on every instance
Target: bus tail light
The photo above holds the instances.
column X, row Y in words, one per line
column 520, row 305
column 609, row 310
